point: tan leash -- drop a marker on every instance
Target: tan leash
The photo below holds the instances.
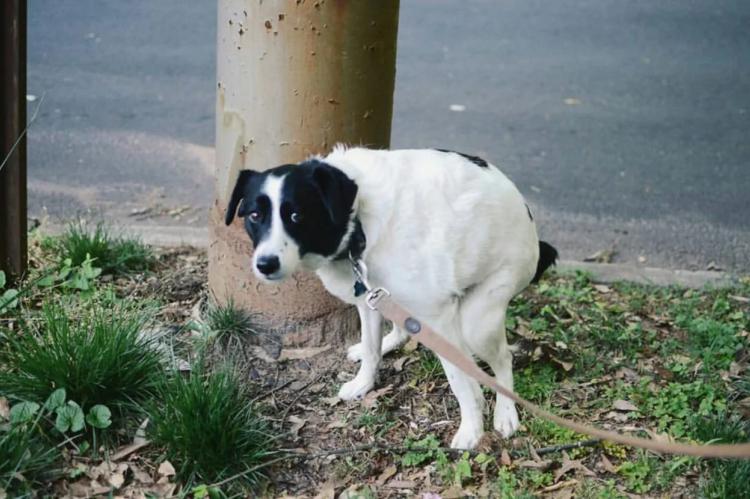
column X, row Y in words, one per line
column 379, row 299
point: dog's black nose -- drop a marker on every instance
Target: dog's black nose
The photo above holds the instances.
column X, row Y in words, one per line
column 267, row 265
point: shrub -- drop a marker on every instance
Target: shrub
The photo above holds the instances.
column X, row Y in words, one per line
column 99, row 356
column 227, row 321
column 208, row 428
column 113, row 254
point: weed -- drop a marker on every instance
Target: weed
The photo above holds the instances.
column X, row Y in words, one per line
column 113, row 254
column 427, row 367
column 227, row 321
column 26, row 460
column 536, row 382
column 590, row 489
column 208, row 428
column 638, row 473
column 724, row 478
column 97, row 354
column 509, row 487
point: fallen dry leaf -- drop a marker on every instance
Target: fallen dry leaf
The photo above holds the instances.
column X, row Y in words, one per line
column 398, row 365
column 126, row 450
column 141, row 476
column 505, row 458
column 337, row 424
column 4, row 408
column 371, row 399
column 623, row 405
column 116, row 480
column 454, row 493
column 331, row 401
column 601, row 256
column 386, row 474
column 571, row 464
column 607, row 465
column 302, row 353
column 410, row 345
column 401, row 484
column 327, row 491
column 166, row 469
column 297, row 424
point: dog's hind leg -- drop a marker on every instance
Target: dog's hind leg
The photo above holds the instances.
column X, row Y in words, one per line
column 392, row 341
column 371, row 344
column 483, row 312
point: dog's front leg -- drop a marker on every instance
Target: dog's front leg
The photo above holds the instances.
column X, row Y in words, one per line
column 363, row 382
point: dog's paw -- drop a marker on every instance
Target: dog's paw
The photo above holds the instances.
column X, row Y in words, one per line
column 356, row 388
column 506, row 418
column 467, row 437
column 354, row 353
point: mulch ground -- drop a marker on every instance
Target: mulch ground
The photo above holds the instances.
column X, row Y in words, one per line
column 393, row 443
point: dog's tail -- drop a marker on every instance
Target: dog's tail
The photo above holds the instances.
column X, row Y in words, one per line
column 547, row 257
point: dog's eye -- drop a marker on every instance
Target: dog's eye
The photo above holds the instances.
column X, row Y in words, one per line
column 296, row 218
column 254, row 217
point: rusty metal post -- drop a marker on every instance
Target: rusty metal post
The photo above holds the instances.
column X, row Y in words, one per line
column 294, row 78
column 12, row 122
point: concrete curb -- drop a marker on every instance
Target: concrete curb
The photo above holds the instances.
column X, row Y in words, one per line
column 600, row 272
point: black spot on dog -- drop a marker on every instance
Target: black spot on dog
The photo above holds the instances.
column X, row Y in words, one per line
column 474, row 159
column 322, row 197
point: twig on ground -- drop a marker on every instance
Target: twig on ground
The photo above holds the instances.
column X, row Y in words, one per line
column 271, row 392
column 300, row 391
column 559, row 448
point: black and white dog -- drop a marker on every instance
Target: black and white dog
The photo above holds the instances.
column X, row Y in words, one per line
column 447, row 234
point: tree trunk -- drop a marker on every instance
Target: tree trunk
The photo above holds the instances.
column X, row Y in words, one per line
column 294, row 78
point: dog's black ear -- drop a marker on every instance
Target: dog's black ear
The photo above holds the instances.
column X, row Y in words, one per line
column 338, row 191
column 238, row 194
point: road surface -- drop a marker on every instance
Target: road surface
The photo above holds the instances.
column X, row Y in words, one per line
column 626, row 124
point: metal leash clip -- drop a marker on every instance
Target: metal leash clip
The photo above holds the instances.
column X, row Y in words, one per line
column 374, row 296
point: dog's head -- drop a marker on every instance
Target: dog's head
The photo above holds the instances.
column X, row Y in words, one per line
column 296, row 215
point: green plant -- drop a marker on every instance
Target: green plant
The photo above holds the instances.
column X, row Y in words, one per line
column 69, row 276
column 8, row 298
column 536, row 382
column 424, row 450
column 113, row 254
column 208, row 429
column 509, row 487
column 227, row 321
column 427, row 367
column 638, row 474
column 26, row 459
column 98, row 355
column 723, row 477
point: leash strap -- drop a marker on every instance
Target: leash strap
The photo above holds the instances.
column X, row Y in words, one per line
column 380, row 299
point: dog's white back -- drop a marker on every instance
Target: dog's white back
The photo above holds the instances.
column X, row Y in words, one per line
column 436, row 225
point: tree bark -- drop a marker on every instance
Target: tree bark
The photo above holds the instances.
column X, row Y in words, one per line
column 294, row 78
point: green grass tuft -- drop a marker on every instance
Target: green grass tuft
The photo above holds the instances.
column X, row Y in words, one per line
column 724, row 478
column 113, row 254
column 26, row 461
column 208, row 428
column 228, row 320
column 97, row 354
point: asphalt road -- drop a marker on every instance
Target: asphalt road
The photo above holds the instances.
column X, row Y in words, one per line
column 627, row 124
